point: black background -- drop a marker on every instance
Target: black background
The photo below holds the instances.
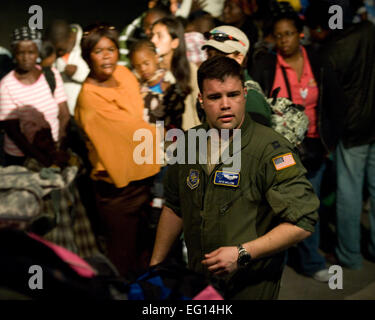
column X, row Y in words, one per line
column 15, row 14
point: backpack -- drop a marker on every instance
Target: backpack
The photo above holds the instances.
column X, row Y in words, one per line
column 46, row 201
column 288, row 118
column 22, row 191
column 36, row 269
column 171, row 281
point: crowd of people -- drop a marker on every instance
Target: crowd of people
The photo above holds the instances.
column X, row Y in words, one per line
column 76, row 96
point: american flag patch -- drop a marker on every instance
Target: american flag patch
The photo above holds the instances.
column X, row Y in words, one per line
column 284, row 161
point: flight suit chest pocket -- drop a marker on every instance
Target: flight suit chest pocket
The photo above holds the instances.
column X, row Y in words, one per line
column 244, row 197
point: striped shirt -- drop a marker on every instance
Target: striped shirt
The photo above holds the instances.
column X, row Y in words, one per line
column 15, row 96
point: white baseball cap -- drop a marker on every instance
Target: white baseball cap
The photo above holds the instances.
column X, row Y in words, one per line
column 227, row 39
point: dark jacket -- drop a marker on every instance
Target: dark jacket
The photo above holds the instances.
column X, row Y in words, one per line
column 331, row 104
column 351, row 52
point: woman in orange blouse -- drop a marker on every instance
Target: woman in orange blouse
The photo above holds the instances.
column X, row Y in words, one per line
column 110, row 110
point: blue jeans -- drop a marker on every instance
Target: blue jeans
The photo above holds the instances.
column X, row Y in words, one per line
column 352, row 166
column 309, row 259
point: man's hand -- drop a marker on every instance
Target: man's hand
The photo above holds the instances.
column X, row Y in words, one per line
column 70, row 70
column 221, row 261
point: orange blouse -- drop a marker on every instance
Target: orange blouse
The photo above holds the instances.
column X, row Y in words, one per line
column 110, row 117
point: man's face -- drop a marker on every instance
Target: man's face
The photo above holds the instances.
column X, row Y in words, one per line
column 232, row 12
column 223, row 102
column 148, row 21
column 65, row 46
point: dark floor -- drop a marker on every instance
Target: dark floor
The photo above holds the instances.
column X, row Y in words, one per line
column 357, row 284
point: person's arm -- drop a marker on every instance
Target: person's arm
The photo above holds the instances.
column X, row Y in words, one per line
column 63, row 117
column 81, row 72
column 293, row 203
column 170, row 222
column 61, row 100
column 169, row 228
column 77, row 68
column 285, row 235
column 70, row 70
column 125, row 34
column 184, row 9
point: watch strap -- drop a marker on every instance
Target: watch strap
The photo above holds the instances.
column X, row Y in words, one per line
column 241, row 249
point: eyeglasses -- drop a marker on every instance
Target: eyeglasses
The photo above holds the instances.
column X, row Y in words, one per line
column 221, row 37
column 287, row 34
column 97, row 28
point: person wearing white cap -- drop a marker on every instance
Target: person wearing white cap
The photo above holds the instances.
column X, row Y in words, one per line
column 233, row 43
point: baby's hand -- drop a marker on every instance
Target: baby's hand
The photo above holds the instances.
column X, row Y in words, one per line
column 70, row 70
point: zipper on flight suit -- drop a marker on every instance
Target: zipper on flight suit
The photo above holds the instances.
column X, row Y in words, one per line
column 205, row 184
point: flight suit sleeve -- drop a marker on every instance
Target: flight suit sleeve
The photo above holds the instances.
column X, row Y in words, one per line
column 288, row 191
column 171, row 189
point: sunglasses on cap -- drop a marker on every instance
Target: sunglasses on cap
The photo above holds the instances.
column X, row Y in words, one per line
column 221, row 37
column 96, row 28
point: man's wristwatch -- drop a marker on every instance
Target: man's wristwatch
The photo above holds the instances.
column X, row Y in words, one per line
column 244, row 257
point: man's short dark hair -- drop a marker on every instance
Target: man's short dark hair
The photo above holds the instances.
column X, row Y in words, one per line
column 220, row 68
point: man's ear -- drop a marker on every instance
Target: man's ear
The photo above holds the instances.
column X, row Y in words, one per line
column 175, row 43
column 239, row 57
column 245, row 91
column 200, row 99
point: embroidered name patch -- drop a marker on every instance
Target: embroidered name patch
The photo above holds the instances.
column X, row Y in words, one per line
column 193, row 179
column 225, row 178
column 284, row 161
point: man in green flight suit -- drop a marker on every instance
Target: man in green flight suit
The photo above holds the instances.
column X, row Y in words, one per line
column 237, row 221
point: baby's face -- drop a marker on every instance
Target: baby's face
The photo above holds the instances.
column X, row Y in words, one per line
column 145, row 63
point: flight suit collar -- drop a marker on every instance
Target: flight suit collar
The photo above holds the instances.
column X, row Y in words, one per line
column 247, row 130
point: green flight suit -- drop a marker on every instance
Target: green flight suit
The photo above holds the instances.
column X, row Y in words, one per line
column 217, row 215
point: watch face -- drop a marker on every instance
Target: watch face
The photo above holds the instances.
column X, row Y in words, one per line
column 244, row 259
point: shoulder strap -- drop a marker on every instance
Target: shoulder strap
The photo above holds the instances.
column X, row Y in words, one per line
column 50, row 77
column 287, row 83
